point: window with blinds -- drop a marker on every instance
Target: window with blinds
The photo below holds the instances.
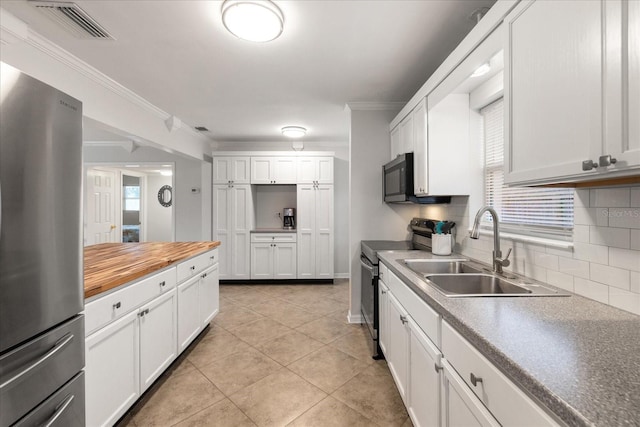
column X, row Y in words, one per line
column 539, row 212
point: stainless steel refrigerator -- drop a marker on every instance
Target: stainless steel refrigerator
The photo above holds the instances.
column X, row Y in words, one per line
column 41, row 285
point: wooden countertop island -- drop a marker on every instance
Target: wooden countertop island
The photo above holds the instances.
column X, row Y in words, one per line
column 109, row 265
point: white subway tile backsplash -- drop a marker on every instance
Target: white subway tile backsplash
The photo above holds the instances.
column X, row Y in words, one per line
column 624, row 217
column 611, row 276
column 581, row 198
column 635, row 197
column 585, row 216
column 625, row 300
column 565, row 252
column 547, row 261
column 593, row 290
column 634, row 285
column 610, row 197
column 635, row 240
column 591, row 253
column 574, row 267
column 581, row 233
column 624, row 258
column 561, row 280
column 602, row 217
column 535, row 272
column 610, row 236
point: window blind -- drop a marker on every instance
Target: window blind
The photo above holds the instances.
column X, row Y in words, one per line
column 540, row 212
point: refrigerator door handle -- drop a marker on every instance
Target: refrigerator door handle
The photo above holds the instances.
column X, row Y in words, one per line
column 59, row 345
column 59, row 411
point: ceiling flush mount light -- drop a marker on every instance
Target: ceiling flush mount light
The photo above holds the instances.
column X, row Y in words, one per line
column 481, row 70
column 294, row 131
column 253, row 20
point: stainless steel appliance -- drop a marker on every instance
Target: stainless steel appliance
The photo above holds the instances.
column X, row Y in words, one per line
column 397, row 183
column 289, row 218
column 41, row 291
column 420, row 239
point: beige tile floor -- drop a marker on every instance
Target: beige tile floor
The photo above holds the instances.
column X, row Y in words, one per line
column 276, row 355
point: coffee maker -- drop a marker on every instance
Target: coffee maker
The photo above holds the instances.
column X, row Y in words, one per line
column 288, row 218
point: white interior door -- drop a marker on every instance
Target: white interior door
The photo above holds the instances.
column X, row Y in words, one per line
column 100, row 214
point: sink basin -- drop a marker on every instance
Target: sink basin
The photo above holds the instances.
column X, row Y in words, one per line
column 483, row 285
column 430, row 266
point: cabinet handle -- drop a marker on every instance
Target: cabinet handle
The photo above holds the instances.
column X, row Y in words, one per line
column 162, row 284
column 403, row 319
column 438, row 368
column 383, row 292
column 204, row 275
column 212, row 257
column 587, row 165
column 143, row 312
column 117, row 305
column 192, row 268
column 475, row 380
column 607, row 160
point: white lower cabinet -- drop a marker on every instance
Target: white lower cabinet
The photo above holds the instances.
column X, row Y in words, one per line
column 273, row 256
column 189, row 325
column 112, row 371
column 398, row 345
column 210, row 291
column 424, row 379
column 383, row 315
column 460, row 407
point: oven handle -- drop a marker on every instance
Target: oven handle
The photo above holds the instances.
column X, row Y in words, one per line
column 364, row 261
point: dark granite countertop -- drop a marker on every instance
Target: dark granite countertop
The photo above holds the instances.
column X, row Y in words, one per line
column 578, row 357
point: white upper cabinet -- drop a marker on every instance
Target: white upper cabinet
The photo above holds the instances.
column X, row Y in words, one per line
column 571, row 69
column 396, row 136
column 315, row 170
column 273, row 170
column 231, row 170
column 420, row 149
column 402, row 137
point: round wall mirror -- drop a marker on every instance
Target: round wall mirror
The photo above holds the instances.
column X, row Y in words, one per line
column 165, row 196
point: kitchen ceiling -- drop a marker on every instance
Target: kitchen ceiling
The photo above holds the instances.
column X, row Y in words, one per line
column 178, row 56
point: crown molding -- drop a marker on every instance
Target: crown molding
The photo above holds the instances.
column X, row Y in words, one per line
column 374, row 106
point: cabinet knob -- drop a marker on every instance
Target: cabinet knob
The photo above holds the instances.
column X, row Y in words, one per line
column 587, row 165
column 117, row 305
column 403, row 319
column 162, row 284
column 475, row 380
column 212, row 257
column 438, row 368
column 192, row 268
column 607, row 160
column 383, row 292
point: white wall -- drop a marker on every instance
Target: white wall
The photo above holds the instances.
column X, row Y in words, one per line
column 369, row 217
column 158, row 218
column 188, row 207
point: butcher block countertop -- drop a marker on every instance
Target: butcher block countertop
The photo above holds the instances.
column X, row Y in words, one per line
column 109, row 265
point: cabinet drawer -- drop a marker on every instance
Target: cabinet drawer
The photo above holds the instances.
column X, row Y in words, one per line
column 196, row 264
column 425, row 317
column 506, row 401
column 108, row 308
column 273, row 237
column 383, row 272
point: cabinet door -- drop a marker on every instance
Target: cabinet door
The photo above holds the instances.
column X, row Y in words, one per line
column 261, row 170
column 407, row 134
column 424, row 379
column 112, row 371
column 383, row 316
column 240, row 170
column 460, row 407
column 398, row 345
column 284, row 170
column 284, row 261
column 189, row 323
column 420, row 151
column 315, row 169
column 241, row 212
column 261, row 261
column 306, row 236
column 553, row 89
column 222, row 227
column 324, row 231
column 222, row 170
column 158, row 337
column 324, row 170
column 396, row 141
column 209, row 295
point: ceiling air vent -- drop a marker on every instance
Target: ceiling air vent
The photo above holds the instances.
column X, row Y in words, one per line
column 73, row 19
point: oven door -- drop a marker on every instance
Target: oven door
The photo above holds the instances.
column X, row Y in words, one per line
column 369, row 300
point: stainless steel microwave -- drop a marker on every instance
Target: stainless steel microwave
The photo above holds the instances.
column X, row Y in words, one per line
column 397, row 183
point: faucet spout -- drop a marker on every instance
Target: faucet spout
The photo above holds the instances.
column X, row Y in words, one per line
column 498, row 261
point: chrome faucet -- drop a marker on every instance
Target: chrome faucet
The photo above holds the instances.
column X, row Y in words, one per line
column 498, row 261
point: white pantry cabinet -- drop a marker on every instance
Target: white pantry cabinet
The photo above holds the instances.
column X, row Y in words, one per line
column 231, row 170
column 315, row 170
column 572, row 78
column 273, row 170
column 273, row 256
column 232, row 223
column 315, row 231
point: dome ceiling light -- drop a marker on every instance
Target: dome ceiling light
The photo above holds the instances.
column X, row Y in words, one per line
column 253, row 20
column 294, row 131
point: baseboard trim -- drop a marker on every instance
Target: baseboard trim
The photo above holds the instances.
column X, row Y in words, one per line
column 341, row 276
column 354, row 318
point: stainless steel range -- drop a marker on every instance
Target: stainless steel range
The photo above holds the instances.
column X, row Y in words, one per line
column 421, row 239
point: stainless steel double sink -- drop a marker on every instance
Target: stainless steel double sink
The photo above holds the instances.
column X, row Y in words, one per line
column 462, row 278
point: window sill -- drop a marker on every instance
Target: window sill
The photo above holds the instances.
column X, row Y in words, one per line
column 530, row 239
